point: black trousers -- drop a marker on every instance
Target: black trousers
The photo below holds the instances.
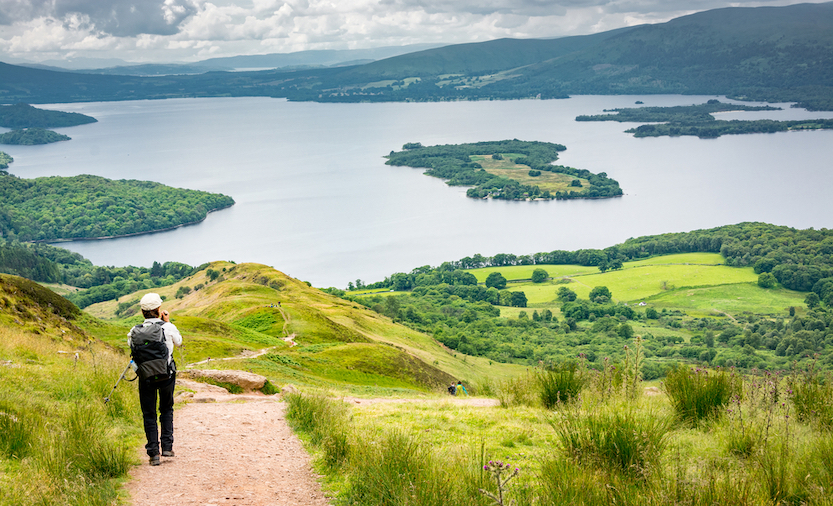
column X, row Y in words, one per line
column 148, row 393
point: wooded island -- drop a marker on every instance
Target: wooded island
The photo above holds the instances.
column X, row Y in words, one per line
column 506, row 170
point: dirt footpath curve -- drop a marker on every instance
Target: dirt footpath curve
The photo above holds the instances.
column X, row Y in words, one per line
column 229, row 453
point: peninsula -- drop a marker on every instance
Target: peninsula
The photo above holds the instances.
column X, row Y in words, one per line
column 31, row 137
column 91, row 207
column 506, row 170
column 699, row 120
column 20, row 116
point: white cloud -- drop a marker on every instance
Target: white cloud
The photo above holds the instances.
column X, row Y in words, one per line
column 165, row 30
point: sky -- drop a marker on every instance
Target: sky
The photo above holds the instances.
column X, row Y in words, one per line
column 153, row 31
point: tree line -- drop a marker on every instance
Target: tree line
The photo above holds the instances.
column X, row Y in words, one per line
column 49, row 264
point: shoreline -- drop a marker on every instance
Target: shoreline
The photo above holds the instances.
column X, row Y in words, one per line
column 134, row 234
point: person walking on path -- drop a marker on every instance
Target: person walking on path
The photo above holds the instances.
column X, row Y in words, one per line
column 460, row 387
column 157, row 380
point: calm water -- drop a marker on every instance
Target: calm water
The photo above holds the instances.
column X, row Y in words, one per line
column 315, row 200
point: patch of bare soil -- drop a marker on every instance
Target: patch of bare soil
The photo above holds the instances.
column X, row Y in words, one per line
column 228, row 453
column 478, row 402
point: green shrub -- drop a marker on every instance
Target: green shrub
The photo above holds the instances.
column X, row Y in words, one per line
column 623, row 441
column 231, row 387
column 561, row 383
column 269, row 389
column 697, row 394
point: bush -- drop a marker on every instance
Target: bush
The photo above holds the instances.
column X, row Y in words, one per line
column 562, row 383
column 697, row 394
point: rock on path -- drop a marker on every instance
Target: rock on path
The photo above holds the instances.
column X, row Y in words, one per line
column 239, row 453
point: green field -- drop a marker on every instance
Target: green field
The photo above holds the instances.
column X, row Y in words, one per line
column 638, row 283
column 519, row 272
column 552, row 181
column 731, row 299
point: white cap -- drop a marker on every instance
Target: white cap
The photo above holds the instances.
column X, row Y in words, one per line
column 150, row 301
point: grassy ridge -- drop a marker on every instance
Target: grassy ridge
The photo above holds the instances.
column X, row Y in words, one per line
column 340, row 344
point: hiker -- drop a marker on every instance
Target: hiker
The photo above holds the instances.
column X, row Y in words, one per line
column 461, row 387
column 152, row 347
column 452, row 389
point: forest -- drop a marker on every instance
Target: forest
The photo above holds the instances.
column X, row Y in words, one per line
column 454, row 164
column 20, row 116
column 86, row 207
column 446, row 302
column 31, row 137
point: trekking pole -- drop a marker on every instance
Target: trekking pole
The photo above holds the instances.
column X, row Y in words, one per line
column 107, row 399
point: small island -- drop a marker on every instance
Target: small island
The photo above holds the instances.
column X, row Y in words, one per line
column 698, row 120
column 5, row 160
column 31, row 137
column 20, row 116
column 52, row 209
column 506, row 170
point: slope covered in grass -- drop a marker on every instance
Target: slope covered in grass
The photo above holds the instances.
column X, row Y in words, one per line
column 59, row 442
column 251, row 307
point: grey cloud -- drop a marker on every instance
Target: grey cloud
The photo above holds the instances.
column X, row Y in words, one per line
column 486, row 7
column 122, row 18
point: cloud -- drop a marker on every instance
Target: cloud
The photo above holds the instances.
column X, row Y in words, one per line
column 120, row 18
column 166, row 30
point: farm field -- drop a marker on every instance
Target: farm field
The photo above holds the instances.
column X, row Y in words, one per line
column 637, row 283
column 733, row 299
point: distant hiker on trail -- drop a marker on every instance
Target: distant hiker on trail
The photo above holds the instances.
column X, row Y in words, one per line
column 152, row 347
column 461, row 387
column 452, row 389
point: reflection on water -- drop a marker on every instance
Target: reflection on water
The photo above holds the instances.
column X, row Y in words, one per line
column 315, row 199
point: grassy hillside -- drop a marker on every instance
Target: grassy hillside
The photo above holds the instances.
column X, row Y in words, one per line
column 340, row 344
column 59, row 442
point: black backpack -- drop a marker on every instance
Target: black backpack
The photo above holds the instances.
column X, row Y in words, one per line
column 150, row 352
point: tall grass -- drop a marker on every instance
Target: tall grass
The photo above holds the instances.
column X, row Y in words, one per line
column 624, row 440
column 811, row 395
column 697, row 395
column 561, row 383
column 520, row 391
column 387, row 467
column 59, row 443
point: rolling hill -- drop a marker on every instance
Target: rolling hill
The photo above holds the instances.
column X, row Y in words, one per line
column 339, row 344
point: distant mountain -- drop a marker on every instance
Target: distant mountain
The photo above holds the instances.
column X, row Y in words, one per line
column 324, row 58
column 764, row 53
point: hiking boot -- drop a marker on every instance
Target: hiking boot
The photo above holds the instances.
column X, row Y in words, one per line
column 155, row 460
column 168, row 453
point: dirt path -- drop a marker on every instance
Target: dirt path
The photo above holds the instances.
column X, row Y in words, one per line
column 228, row 453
